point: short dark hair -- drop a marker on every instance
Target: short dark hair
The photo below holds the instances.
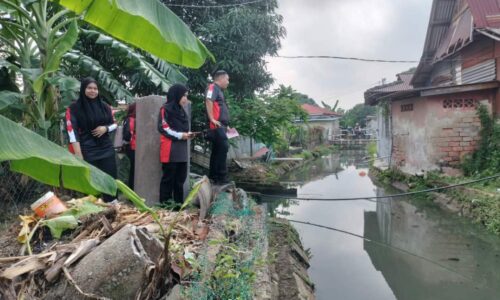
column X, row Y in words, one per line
column 219, row 73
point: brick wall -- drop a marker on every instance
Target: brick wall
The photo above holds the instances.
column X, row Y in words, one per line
column 459, row 139
column 437, row 131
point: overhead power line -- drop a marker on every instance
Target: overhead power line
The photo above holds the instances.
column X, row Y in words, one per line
column 348, row 58
column 384, row 245
column 361, row 59
column 217, row 5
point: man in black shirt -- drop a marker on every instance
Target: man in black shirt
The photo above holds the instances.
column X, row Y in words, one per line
column 218, row 118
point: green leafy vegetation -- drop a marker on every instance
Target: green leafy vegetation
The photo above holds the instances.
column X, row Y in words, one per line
column 486, row 159
column 41, row 55
column 240, row 37
column 357, row 114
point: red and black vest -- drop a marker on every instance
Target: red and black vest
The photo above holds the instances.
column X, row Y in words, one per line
column 174, row 117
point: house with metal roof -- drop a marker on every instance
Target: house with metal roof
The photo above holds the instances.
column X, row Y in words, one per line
column 323, row 118
column 430, row 117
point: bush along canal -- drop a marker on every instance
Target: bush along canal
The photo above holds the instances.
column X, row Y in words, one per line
column 384, row 248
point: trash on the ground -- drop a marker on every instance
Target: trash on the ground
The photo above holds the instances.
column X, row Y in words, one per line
column 48, row 205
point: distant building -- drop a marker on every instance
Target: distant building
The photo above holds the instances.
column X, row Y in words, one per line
column 324, row 118
column 430, row 120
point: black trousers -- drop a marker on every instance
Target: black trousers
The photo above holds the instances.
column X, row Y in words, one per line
column 108, row 166
column 218, row 157
column 172, row 181
column 131, row 174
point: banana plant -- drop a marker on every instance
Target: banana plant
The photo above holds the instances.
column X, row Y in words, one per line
column 36, row 39
column 160, row 73
column 36, row 35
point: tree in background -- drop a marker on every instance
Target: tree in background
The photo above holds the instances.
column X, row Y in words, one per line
column 357, row 114
column 267, row 119
column 288, row 92
column 240, row 37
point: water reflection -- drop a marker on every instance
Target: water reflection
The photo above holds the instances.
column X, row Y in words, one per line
column 346, row 267
column 450, row 242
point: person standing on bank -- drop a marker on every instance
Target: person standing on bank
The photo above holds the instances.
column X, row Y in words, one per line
column 173, row 125
column 129, row 136
column 89, row 121
column 218, row 117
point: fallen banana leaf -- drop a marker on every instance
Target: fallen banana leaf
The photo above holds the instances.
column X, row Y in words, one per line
column 31, row 263
column 82, row 207
column 26, row 221
column 59, row 224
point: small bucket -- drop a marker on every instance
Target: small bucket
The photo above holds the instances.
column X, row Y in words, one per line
column 48, row 205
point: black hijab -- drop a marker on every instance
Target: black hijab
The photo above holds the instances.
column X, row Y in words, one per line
column 175, row 93
column 176, row 115
column 91, row 115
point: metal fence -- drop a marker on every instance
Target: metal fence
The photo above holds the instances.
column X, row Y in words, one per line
column 17, row 191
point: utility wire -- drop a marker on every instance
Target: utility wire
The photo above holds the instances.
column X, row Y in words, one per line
column 217, row 5
column 383, row 60
column 382, row 197
column 348, row 58
column 384, row 245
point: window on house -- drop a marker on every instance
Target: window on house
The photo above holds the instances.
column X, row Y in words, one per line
column 459, row 103
column 407, row 107
column 469, row 103
column 448, row 103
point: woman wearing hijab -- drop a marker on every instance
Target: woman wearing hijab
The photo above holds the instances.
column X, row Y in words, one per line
column 130, row 137
column 89, row 121
column 173, row 125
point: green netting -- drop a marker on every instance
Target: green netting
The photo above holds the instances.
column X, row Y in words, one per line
column 225, row 206
column 231, row 273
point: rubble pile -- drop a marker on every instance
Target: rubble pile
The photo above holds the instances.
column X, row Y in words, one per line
column 112, row 249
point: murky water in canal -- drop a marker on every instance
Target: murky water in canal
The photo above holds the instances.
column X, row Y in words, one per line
column 462, row 261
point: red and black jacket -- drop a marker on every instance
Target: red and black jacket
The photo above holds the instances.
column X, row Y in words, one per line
column 220, row 111
column 129, row 132
column 172, row 122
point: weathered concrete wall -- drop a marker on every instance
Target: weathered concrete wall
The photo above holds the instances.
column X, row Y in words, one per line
column 372, row 125
column 147, row 154
column 433, row 132
column 384, row 133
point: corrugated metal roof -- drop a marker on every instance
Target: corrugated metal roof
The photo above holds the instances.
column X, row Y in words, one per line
column 458, row 35
column 402, row 84
column 486, row 13
column 483, row 72
column 440, row 19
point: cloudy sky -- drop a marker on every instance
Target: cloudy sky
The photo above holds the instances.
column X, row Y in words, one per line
column 379, row 29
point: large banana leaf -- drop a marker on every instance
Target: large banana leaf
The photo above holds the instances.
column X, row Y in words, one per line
column 163, row 78
column 37, row 157
column 7, row 98
column 108, row 85
column 146, row 24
